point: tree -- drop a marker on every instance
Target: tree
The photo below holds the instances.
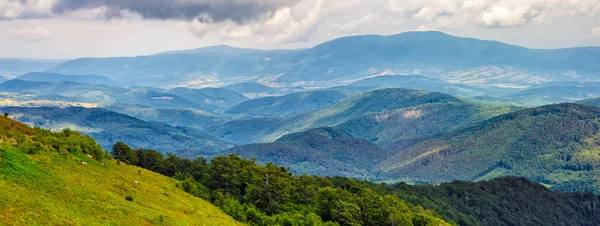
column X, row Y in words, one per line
column 346, row 214
column 124, row 153
column 6, row 114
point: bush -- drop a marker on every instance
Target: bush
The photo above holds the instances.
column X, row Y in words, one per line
column 129, row 198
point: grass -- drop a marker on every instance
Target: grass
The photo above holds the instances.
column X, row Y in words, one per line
column 50, row 189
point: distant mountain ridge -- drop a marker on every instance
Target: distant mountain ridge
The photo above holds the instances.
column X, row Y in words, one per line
column 343, row 60
column 53, row 77
column 290, row 105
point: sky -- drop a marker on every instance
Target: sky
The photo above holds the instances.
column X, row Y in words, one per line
column 67, row 29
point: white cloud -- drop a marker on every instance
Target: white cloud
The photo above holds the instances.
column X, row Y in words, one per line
column 304, row 23
column 28, row 34
column 595, row 32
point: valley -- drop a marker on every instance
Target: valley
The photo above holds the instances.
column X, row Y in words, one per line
column 415, row 128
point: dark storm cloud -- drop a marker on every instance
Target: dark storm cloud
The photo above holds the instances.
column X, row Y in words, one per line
column 240, row 11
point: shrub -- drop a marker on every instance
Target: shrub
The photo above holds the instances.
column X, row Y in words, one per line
column 129, row 198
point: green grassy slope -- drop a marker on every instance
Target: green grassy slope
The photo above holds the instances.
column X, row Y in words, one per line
column 555, row 145
column 55, row 188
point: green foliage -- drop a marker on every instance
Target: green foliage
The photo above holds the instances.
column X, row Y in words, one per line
column 124, row 153
column 129, row 198
column 271, row 195
column 555, row 145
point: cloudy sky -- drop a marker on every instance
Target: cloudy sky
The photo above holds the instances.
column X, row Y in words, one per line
column 64, row 29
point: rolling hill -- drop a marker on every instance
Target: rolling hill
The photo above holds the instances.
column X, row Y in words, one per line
column 321, row 151
column 196, row 119
column 103, row 95
column 555, row 145
column 220, row 97
column 290, row 105
column 52, row 185
column 55, row 78
column 382, row 116
column 250, row 87
column 108, row 127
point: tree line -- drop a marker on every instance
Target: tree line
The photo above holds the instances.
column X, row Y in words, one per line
column 272, row 195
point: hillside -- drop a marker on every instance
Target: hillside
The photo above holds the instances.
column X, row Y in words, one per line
column 555, row 93
column 220, row 97
column 420, row 82
column 196, row 119
column 108, row 127
column 250, row 87
column 555, row 145
column 594, row 102
column 502, row 201
column 290, row 105
column 52, row 186
column 15, row 67
column 382, row 116
column 321, row 151
column 104, row 95
column 54, row 78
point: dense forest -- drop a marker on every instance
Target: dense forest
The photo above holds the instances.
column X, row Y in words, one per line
column 270, row 194
column 556, row 145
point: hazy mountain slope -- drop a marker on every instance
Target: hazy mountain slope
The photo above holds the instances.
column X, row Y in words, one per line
column 247, row 130
column 419, row 82
column 555, row 93
column 220, row 97
column 54, row 78
column 357, row 55
column 321, row 151
column 594, row 102
column 2, row 78
column 383, row 116
column 290, row 105
column 15, row 67
column 53, row 187
column 377, row 115
column 104, row 95
column 554, row 145
column 108, row 127
column 344, row 60
column 196, row 119
column 250, row 87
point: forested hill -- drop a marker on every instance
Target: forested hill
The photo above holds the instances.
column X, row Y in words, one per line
column 556, row 145
column 322, row 151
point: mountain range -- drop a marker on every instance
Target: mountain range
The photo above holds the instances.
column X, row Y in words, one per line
column 340, row 61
